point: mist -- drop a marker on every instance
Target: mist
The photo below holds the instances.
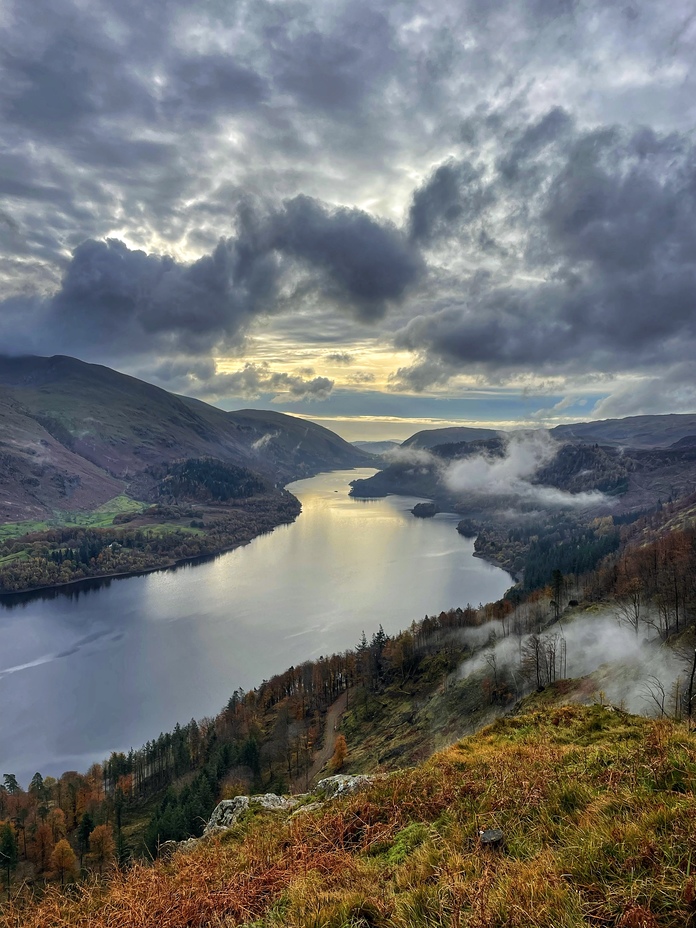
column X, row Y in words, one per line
column 634, row 672
column 261, row 443
column 512, row 473
column 418, row 457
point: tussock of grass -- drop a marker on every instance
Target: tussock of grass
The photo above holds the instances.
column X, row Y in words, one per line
column 599, row 821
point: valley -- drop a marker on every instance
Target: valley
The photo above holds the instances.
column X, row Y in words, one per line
column 552, row 568
column 90, row 473
column 156, row 649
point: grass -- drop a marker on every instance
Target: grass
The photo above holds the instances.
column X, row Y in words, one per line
column 101, row 517
column 597, row 809
column 24, row 533
column 162, row 528
column 406, row 722
column 18, row 529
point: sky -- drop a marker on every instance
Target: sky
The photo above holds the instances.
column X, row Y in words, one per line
column 383, row 216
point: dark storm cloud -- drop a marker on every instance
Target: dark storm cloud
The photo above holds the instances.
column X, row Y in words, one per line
column 119, row 302
column 605, row 276
column 124, row 301
column 108, row 286
column 451, row 199
column 499, row 137
column 366, row 263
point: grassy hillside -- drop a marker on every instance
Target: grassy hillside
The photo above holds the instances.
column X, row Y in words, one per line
column 632, row 432
column 428, row 438
column 596, row 809
column 75, row 435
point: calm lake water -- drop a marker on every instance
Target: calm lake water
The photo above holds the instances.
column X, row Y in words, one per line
column 85, row 672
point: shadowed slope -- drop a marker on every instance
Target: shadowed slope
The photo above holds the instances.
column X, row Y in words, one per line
column 73, row 435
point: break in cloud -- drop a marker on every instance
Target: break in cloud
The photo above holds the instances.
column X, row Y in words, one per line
column 504, row 191
column 250, row 382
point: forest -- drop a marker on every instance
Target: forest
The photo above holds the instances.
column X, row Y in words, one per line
column 264, row 739
column 165, row 533
column 206, row 479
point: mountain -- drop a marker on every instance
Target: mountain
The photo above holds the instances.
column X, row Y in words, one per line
column 631, row 432
column 639, row 461
column 74, row 435
column 376, row 447
column 531, row 501
column 428, row 438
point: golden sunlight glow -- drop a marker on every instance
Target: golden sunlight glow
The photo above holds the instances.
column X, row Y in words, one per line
column 394, row 428
column 360, row 366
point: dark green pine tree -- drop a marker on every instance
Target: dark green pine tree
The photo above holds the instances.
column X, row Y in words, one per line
column 36, row 787
column 11, row 784
column 84, row 830
column 8, row 852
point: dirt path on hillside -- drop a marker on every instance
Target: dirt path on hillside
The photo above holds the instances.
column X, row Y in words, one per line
column 323, row 756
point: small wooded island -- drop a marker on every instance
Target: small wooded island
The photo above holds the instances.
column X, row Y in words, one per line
column 425, row 510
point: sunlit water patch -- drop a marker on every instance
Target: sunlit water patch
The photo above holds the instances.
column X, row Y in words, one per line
column 87, row 671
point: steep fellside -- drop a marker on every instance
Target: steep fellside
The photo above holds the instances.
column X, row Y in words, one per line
column 428, row 438
column 563, row 819
column 75, row 435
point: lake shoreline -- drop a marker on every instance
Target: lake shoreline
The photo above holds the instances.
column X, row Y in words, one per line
column 175, row 642
column 171, row 564
column 27, row 594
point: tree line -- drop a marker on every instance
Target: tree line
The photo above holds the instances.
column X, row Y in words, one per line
column 63, row 555
column 264, row 739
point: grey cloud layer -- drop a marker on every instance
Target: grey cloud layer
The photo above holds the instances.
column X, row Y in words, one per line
column 127, row 302
column 535, row 160
column 596, row 236
column 250, row 382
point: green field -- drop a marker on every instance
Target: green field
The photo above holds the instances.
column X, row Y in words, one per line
column 102, row 517
column 161, row 528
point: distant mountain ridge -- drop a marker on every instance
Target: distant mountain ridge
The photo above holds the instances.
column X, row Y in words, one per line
column 429, row 438
column 377, row 447
column 74, row 435
column 632, row 432
column 658, row 431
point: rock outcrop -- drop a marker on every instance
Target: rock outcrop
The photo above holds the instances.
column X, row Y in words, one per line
column 342, row 785
column 228, row 812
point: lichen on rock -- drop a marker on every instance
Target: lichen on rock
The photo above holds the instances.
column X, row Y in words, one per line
column 342, row 784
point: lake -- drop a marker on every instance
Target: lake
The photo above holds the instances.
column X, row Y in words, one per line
column 86, row 671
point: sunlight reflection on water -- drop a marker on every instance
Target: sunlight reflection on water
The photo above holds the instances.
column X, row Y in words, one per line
column 132, row 657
